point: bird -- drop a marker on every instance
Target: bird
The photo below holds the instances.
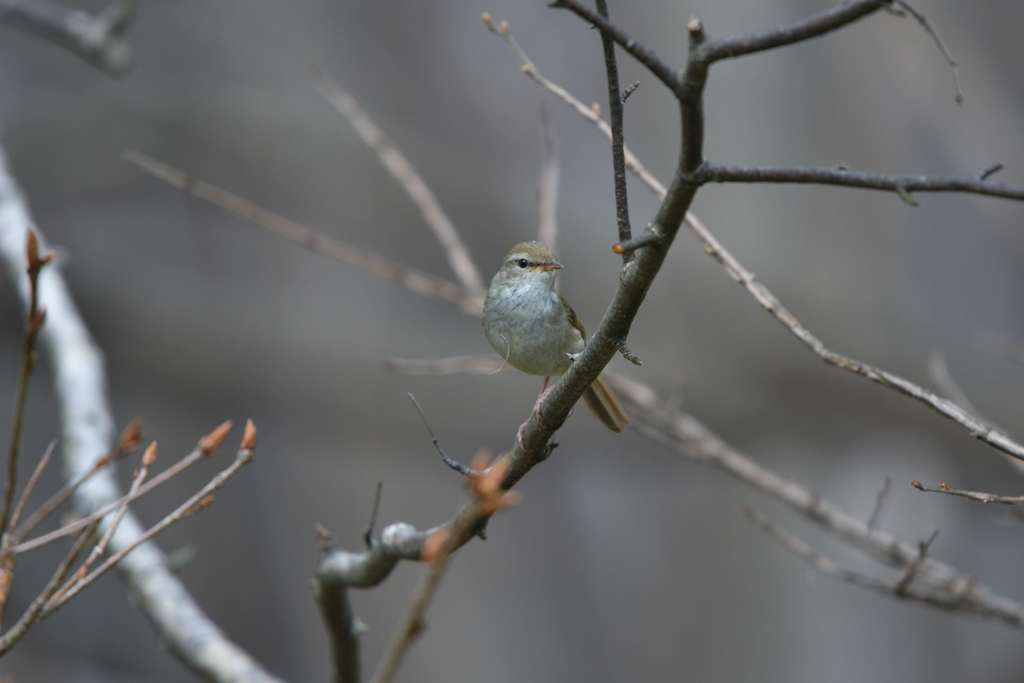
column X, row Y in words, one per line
column 532, row 327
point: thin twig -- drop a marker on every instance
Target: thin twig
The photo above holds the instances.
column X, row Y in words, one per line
column 880, row 499
column 902, row 587
column 368, row 534
column 615, row 116
column 416, row 281
column 447, row 459
column 990, row 171
column 455, row 250
column 127, row 443
column 979, row 496
column 33, row 481
column 954, row 67
column 547, row 186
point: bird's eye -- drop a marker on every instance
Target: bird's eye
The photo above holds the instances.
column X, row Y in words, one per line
column 522, row 263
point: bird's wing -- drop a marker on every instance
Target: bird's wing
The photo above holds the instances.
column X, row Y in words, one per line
column 573, row 318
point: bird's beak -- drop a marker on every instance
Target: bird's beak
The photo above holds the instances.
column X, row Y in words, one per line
column 551, row 265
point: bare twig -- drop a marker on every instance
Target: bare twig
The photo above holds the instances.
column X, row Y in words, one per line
column 615, row 116
column 33, row 481
column 979, row 496
column 913, row 569
column 922, row 20
column 368, row 534
column 547, row 186
column 129, row 440
column 447, row 459
column 402, row 171
column 96, row 38
column 990, row 171
column 880, row 499
column 416, row 281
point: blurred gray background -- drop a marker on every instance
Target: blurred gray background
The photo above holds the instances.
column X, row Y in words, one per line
column 625, row 561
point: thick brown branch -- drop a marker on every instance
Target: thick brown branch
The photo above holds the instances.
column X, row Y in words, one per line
column 841, row 177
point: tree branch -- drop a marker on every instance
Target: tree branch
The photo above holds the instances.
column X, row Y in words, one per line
column 817, row 25
column 455, row 250
column 841, row 177
column 96, row 38
column 615, row 113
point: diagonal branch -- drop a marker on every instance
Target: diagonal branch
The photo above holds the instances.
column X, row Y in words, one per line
column 411, row 181
column 417, row 281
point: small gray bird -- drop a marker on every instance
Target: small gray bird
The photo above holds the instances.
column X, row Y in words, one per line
column 535, row 330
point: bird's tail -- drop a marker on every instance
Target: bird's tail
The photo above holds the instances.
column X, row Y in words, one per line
column 605, row 406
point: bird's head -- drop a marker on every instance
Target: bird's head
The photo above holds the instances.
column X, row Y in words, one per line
column 530, row 261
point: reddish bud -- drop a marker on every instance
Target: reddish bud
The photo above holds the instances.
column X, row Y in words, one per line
column 618, row 249
column 149, row 457
column 212, row 441
column 131, row 437
column 249, row 436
